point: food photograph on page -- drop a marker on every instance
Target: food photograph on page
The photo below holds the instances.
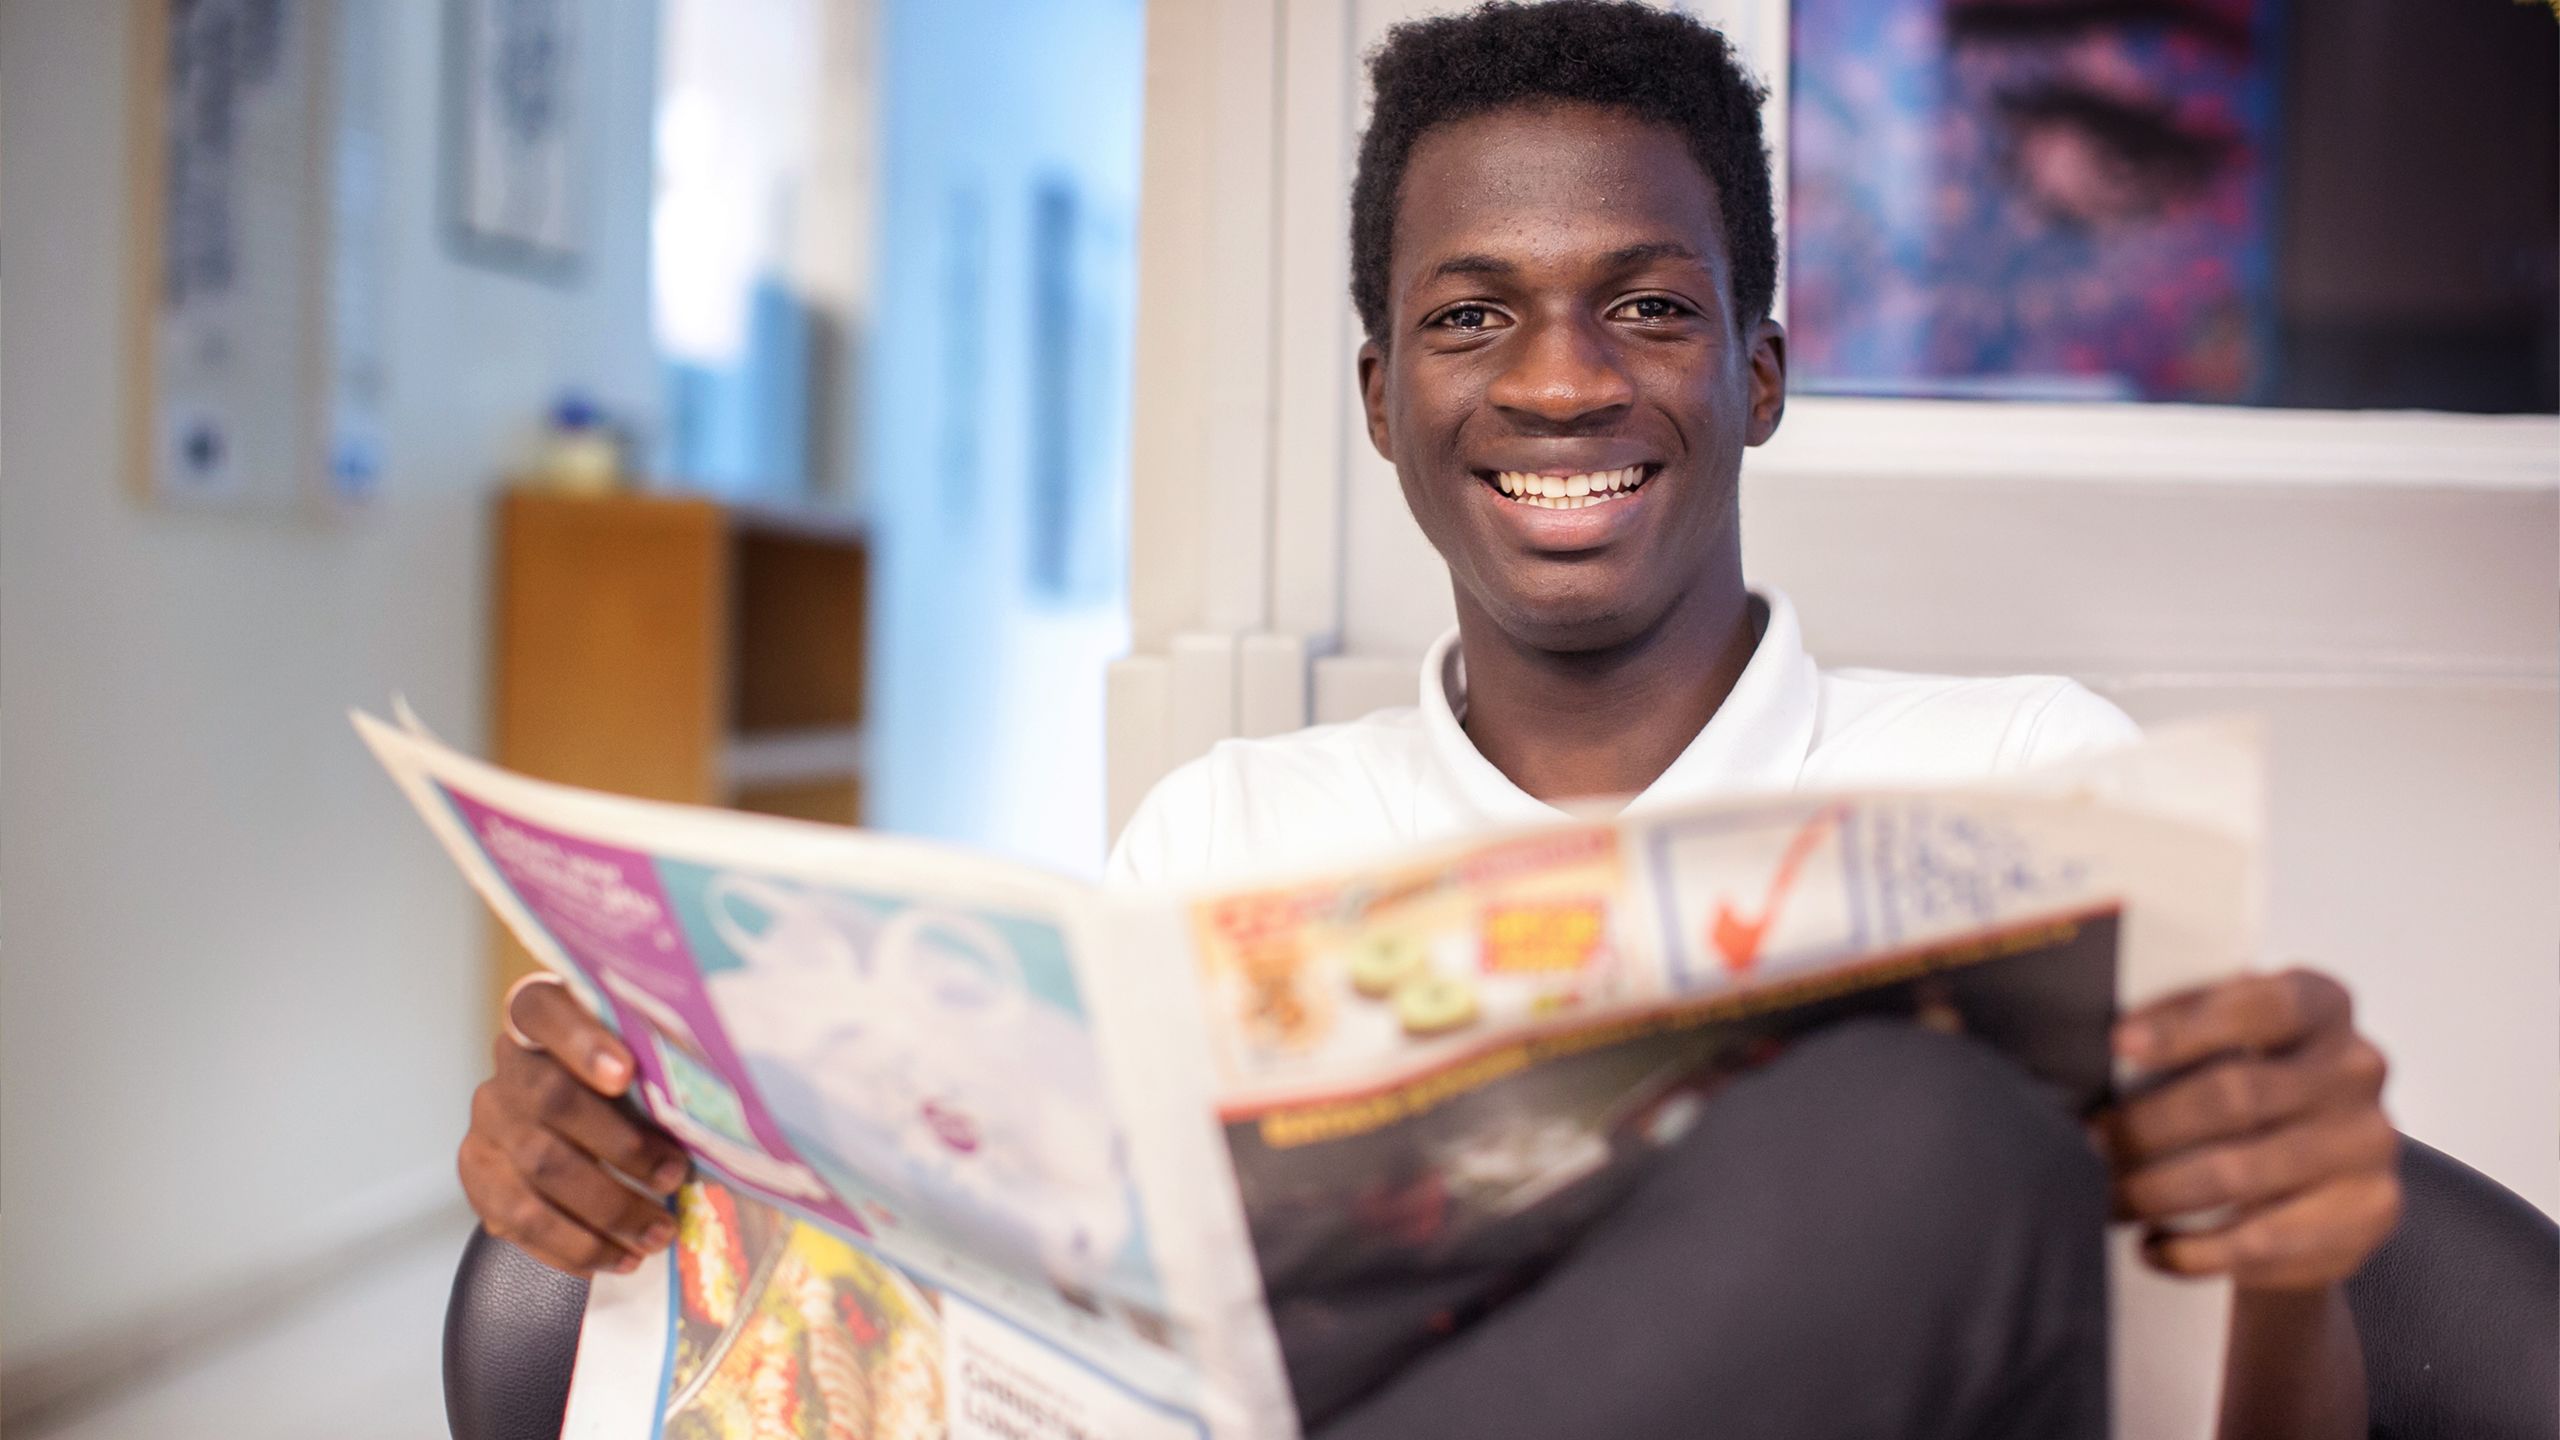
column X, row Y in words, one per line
column 785, row 1332
column 1310, row 980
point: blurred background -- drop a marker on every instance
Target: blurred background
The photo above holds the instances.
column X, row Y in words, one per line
column 936, row 415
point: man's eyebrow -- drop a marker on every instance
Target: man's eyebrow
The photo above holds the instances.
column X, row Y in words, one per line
column 1633, row 255
column 1471, row 265
column 1622, row 258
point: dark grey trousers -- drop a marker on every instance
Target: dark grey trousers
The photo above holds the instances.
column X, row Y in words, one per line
column 1884, row 1232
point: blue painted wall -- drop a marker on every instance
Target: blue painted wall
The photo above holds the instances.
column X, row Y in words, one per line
column 996, row 425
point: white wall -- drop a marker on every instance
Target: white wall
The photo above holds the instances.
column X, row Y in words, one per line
column 2385, row 589
column 243, row 995
column 2399, row 629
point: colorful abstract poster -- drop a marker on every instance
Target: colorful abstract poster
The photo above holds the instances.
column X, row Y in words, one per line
column 2058, row 199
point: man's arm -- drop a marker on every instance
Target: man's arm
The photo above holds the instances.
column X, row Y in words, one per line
column 2297, row 1368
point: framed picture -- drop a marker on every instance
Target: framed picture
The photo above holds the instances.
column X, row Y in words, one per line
column 515, row 135
column 2073, row 204
column 254, row 343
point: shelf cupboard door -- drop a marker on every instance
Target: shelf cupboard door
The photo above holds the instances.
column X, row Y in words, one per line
column 612, row 650
column 613, row 659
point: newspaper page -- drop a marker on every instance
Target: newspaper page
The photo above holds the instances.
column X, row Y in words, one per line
column 909, row 1078
column 985, row 1152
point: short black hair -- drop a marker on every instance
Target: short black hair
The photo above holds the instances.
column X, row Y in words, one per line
column 1663, row 68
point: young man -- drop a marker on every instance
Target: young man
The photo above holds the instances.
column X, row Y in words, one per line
column 1564, row 256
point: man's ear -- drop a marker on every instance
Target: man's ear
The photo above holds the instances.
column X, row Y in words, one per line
column 1768, row 381
column 1373, row 398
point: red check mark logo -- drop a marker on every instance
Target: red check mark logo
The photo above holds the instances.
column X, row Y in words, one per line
column 1738, row 939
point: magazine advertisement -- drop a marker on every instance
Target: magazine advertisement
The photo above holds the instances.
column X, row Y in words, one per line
column 986, row 1152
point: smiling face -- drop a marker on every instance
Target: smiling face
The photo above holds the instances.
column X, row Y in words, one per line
column 1564, row 388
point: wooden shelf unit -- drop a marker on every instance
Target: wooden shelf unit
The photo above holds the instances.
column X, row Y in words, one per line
column 678, row 648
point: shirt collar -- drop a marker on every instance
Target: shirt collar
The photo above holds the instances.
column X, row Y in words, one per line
column 1756, row 741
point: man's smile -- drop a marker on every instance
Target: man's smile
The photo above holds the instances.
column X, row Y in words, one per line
column 1569, row 490
column 1555, row 511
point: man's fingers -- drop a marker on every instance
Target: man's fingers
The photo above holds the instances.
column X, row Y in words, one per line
column 548, row 1153
column 2260, row 1013
column 2264, row 1152
column 569, row 1179
column 572, row 1181
column 537, row 1091
column 514, row 1212
column 2316, row 1238
column 2238, row 1096
column 2252, row 1172
column 550, row 1017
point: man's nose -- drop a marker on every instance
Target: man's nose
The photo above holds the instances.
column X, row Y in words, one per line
column 1563, row 373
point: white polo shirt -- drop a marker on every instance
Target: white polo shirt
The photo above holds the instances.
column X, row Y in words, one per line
column 1335, row 793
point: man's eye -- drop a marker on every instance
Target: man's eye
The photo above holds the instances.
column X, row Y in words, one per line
column 1467, row 317
column 1651, row 307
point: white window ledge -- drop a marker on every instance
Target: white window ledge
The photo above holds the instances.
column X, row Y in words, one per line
column 2213, row 444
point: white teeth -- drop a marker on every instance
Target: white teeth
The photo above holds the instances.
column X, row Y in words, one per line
column 1568, row 492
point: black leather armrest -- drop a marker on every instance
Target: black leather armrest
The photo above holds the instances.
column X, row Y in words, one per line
column 510, row 1341
column 2459, row 1311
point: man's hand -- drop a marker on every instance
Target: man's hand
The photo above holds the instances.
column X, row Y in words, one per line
column 545, row 1129
column 2265, row 1154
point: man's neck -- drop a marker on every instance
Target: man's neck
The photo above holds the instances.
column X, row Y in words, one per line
column 1579, row 725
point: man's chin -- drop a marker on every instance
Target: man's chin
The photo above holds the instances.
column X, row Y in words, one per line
column 1571, row 622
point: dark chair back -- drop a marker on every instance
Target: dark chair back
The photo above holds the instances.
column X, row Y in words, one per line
column 510, row 1341
column 2459, row 1311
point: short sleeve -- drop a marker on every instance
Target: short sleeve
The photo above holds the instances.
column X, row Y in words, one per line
column 1168, row 837
column 2074, row 720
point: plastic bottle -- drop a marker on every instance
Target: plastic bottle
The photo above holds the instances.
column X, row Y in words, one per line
column 580, row 453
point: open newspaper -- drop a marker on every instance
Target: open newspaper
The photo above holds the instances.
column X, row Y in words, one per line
column 987, row 1152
